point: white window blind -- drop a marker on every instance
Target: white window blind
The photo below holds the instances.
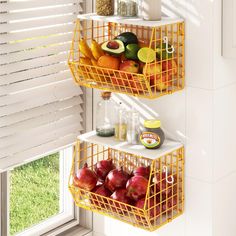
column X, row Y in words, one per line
column 40, row 107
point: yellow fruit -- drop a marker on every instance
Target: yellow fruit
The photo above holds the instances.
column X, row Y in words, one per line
column 86, row 61
column 94, row 62
column 85, row 49
column 96, row 49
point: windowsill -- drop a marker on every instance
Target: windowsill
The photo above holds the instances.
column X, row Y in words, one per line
column 76, row 231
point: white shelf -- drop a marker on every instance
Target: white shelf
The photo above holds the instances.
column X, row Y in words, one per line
column 167, row 147
column 130, row 20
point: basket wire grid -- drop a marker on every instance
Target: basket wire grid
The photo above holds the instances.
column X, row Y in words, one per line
column 163, row 76
column 163, row 202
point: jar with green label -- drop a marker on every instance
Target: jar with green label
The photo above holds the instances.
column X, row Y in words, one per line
column 152, row 136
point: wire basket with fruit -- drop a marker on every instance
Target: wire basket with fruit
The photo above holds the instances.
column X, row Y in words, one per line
column 144, row 61
column 141, row 191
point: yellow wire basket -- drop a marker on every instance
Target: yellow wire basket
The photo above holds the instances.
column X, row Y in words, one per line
column 164, row 199
column 162, row 76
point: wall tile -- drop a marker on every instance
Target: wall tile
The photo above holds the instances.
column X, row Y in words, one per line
column 199, row 109
column 199, row 44
column 224, row 206
column 198, row 208
column 224, row 68
column 224, row 131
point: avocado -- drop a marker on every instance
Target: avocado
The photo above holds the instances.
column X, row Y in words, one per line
column 114, row 47
column 128, row 38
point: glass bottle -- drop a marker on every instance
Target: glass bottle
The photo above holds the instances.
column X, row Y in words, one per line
column 105, row 7
column 127, row 7
column 121, row 124
column 105, row 116
column 151, row 10
column 133, row 128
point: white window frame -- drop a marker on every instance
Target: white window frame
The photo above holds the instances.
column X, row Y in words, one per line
column 82, row 223
column 55, row 224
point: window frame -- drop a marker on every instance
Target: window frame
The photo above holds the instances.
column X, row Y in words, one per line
column 82, row 224
column 79, row 219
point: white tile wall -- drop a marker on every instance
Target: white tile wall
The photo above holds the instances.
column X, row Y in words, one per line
column 224, row 69
column 199, row 109
column 224, row 206
column 198, row 208
column 199, row 43
column 224, row 131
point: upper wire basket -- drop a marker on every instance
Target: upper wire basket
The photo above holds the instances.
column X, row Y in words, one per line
column 162, row 76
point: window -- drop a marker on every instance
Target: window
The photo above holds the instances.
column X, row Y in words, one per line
column 39, row 200
column 41, row 111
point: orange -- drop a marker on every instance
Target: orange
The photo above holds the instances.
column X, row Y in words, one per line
column 109, row 62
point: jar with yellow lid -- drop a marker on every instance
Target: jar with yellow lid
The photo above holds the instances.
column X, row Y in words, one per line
column 153, row 136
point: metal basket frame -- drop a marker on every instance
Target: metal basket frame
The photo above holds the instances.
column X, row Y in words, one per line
column 148, row 218
column 145, row 85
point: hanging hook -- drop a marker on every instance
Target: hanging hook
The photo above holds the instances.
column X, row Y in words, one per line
column 165, row 170
column 165, row 39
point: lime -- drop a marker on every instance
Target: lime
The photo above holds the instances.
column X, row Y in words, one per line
column 146, row 55
column 131, row 51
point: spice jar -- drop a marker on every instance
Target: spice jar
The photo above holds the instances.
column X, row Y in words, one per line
column 127, row 7
column 151, row 9
column 153, row 136
column 121, row 124
column 105, row 7
column 105, row 116
column 133, row 127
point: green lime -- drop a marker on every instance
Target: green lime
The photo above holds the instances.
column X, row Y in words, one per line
column 131, row 51
column 146, row 55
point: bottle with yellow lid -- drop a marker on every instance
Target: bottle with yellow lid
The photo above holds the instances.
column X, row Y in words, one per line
column 153, row 136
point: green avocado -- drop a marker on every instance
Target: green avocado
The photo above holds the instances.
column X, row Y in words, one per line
column 127, row 38
column 165, row 54
column 131, row 51
column 114, row 47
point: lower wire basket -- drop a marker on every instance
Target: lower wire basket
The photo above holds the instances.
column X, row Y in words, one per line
column 164, row 200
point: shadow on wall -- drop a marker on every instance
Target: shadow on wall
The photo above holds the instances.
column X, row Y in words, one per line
column 147, row 112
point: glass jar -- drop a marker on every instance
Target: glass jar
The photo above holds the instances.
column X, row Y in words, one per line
column 105, row 116
column 105, row 7
column 151, row 9
column 133, row 127
column 121, row 124
column 153, row 136
column 127, row 7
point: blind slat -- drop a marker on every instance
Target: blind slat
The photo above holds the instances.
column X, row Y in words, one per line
column 35, row 43
column 57, row 20
column 37, row 72
column 34, row 63
column 32, row 34
column 39, row 111
column 37, row 151
column 58, row 93
column 24, row 5
column 34, row 53
column 33, row 83
column 40, row 12
column 50, row 134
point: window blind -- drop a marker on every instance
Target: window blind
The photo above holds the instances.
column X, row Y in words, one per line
column 40, row 107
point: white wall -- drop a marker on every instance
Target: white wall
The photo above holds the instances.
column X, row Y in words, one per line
column 203, row 116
